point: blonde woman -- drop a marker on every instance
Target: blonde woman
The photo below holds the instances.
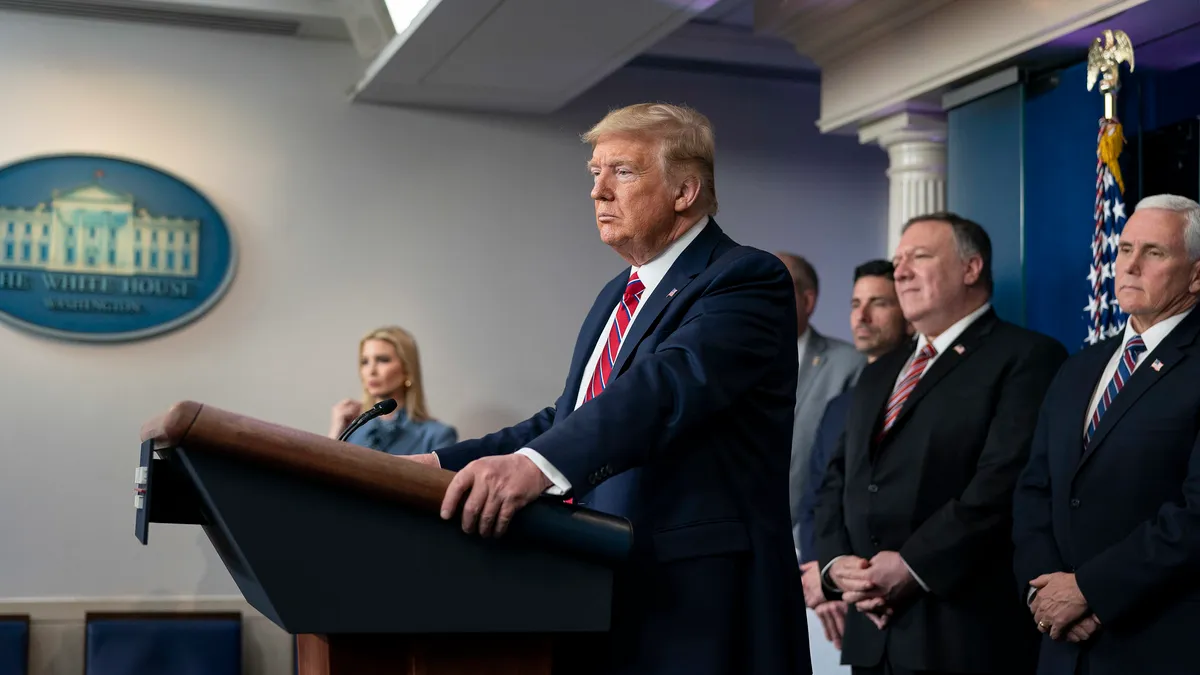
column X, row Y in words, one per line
column 390, row 367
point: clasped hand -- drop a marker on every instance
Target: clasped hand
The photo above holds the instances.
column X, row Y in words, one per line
column 873, row 586
column 1060, row 609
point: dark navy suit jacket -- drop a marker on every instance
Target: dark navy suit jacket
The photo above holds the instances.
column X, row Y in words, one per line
column 690, row 441
column 1122, row 513
column 833, row 423
column 937, row 489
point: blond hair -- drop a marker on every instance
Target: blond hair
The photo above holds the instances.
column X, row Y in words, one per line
column 406, row 351
column 686, row 137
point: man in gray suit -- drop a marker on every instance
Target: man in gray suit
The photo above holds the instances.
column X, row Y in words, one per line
column 828, row 367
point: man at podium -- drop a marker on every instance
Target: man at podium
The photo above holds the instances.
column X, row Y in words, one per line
column 677, row 414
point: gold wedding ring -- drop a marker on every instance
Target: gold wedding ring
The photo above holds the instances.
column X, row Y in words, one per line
column 1042, row 625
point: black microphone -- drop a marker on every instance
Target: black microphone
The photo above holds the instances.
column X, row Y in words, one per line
column 384, row 407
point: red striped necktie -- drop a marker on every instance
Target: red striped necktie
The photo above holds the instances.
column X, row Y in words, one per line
column 905, row 388
column 616, row 333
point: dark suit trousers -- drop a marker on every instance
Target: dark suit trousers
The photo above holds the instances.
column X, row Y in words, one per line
column 685, row 617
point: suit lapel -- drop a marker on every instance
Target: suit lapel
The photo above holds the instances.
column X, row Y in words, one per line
column 691, row 262
column 877, row 395
column 589, row 334
column 1166, row 356
column 960, row 350
column 1080, row 407
column 814, row 358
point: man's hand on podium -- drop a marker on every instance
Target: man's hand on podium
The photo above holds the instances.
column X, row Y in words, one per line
column 495, row 489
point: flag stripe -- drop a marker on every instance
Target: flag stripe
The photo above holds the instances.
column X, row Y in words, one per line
column 1104, row 317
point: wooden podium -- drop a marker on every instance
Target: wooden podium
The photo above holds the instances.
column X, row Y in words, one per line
column 343, row 547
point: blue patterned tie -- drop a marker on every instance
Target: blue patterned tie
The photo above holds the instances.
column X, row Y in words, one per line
column 1125, row 367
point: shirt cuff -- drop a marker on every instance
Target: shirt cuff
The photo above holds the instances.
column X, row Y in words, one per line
column 1029, row 596
column 825, row 575
column 561, row 484
column 924, row 586
column 437, row 459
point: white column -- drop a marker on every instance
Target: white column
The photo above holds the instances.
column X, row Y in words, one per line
column 916, row 147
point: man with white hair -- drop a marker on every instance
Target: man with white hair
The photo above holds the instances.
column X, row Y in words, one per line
column 1107, row 511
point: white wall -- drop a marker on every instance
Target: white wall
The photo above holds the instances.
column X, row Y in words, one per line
column 473, row 231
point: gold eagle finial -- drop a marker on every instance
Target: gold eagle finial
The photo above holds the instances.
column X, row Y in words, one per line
column 1104, row 58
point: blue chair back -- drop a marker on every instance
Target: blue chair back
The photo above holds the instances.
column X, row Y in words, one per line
column 14, row 645
column 163, row 644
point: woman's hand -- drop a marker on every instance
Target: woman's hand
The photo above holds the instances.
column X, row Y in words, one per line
column 344, row 412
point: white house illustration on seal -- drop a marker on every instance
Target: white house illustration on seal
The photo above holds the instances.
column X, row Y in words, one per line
column 94, row 230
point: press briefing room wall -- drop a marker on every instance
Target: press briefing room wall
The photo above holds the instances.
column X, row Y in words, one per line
column 983, row 166
column 1162, row 116
column 1158, row 112
column 1022, row 162
column 1061, row 121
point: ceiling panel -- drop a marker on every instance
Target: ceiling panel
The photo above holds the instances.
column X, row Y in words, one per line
column 741, row 16
column 540, row 44
column 1163, row 33
column 517, row 55
column 734, row 12
column 300, row 18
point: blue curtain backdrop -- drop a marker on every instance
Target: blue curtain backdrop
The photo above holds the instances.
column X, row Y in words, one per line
column 1022, row 162
column 983, row 166
column 1061, row 123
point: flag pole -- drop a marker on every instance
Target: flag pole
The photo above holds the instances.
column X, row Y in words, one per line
column 1104, row 58
column 1104, row 64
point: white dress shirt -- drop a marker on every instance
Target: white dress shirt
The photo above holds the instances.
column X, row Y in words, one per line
column 1152, row 337
column 650, row 275
column 940, row 344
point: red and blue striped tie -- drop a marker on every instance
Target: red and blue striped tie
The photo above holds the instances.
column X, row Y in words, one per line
column 904, row 388
column 616, row 333
column 1125, row 368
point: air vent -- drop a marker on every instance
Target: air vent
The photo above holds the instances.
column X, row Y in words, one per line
column 147, row 13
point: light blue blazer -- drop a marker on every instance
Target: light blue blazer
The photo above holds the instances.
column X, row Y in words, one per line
column 402, row 436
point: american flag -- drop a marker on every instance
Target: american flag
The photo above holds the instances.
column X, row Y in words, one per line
column 1105, row 319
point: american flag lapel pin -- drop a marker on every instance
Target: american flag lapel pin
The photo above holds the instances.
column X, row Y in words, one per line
column 672, row 293
column 1157, row 365
column 960, row 349
column 816, row 361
